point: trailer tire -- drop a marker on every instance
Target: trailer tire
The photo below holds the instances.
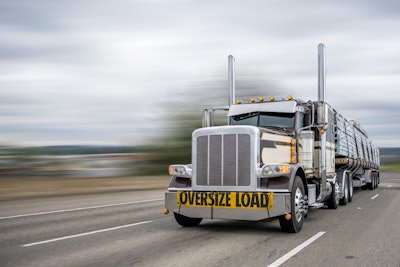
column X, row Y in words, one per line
column 333, row 200
column 295, row 224
column 371, row 185
column 351, row 188
column 186, row 221
column 345, row 199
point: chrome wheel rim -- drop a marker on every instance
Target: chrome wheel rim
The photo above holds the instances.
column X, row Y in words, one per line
column 298, row 205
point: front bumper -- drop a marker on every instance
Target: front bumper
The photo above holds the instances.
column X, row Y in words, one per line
column 281, row 206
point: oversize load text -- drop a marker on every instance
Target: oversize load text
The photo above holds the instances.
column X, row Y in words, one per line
column 247, row 200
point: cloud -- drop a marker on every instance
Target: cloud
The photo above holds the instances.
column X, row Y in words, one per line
column 92, row 71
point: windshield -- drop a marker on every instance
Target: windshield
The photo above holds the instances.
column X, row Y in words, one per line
column 265, row 119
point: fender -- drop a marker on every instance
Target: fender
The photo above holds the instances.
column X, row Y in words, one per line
column 286, row 181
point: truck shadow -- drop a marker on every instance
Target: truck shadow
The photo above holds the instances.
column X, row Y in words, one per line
column 247, row 227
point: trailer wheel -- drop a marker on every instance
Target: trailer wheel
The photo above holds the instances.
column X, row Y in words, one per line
column 187, row 221
column 333, row 200
column 351, row 188
column 298, row 196
column 345, row 199
column 371, row 185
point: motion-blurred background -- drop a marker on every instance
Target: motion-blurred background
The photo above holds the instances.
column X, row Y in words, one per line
column 114, row 89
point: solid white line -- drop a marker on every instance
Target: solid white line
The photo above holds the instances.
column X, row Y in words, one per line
column 84, row 208
column 296, row 250
column 377, row 195
column 83, row 234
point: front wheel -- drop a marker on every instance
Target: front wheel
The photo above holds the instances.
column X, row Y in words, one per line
column 187, row 221
column 298, row 208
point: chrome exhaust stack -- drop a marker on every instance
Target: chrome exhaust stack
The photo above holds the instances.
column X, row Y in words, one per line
column 322, row 120
column 231, row 80
column 321, row 73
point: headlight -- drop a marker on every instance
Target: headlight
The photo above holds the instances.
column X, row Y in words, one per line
column 180, row 170
column 274, row 170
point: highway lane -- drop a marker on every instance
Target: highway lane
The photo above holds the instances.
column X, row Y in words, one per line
column 364, row 233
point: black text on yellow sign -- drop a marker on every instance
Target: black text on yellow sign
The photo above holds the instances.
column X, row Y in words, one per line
column 245, row 200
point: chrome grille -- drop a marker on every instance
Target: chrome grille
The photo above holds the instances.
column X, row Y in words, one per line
column 223, row 160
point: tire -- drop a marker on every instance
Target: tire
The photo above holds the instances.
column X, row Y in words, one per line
column 373, row 181
column 187, row 221
column 333, row 200
column 351, row 188
column 371, row 184
column 345, row 199
column 295, row 224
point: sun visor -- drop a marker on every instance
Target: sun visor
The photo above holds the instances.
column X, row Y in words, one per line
column 284, row 106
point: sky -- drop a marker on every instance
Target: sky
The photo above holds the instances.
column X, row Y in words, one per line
column 110, row 72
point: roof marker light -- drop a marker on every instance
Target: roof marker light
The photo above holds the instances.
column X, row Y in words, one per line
column 271, row 98
column 238, row 101
column 261, row 98
column 289, row 97
column 252, row 100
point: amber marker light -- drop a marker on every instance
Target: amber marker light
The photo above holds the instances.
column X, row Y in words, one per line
column 285, row 168
column 289, row 97
column 271, row 98
column 171, row 170
column 288, row 217
column 321, row 131
column 252, row 100
column 261, row 98
column 166, row 211
column 238, row 101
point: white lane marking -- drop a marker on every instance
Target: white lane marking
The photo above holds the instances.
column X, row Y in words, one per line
column 377, row 195
column 77, row 209
column 83, row 234
column 296, row 250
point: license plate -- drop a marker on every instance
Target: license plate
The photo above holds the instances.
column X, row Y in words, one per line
column 233, row 200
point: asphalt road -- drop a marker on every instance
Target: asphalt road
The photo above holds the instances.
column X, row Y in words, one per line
column 129, row 229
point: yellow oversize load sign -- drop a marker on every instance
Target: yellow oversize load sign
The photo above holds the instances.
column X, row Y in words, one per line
column 234, row 200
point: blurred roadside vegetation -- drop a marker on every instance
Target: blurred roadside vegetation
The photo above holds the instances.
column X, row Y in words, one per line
column 393, row 167
column 182, row 114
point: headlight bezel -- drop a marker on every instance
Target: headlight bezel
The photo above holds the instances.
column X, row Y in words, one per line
column 178, row 170
column 274, row 170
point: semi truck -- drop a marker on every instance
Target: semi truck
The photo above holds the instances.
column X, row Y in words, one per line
column 275, row 159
